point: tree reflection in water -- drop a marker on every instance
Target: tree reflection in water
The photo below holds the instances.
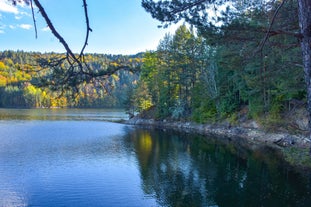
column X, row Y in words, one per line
column 190, row 170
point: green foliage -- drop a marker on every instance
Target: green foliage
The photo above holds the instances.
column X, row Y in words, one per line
column 11, row 96
column 222, row 69
column 33, row 96
column 256, row 106
column 297, row 156
column 142, row 98
column 138, row 99
column 205, row 113
column 150, row 73
column 129, row 102
column 203, row 106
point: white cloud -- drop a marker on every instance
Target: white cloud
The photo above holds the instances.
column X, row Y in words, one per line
column 18, row 17
column 21, row 14
column 45, row 29
column 25, row 14
column 18, row 10
column 7, row 7
column 12, row 26
column 25, row 26
column 1, row 31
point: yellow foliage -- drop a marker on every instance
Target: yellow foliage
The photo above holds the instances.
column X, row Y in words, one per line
column 3, row 81
column 12, row 80
column 145, row 104
column 115, row 77
column 114, row 64
column 31, row 89
column 139, row 60
column 62, row 102
column 53, row 103
column 44, row 95
column 58, row 102
column 2, row 66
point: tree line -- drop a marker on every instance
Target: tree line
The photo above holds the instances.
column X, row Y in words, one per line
column 277, row 22
column 226, row 73
column 21, row 84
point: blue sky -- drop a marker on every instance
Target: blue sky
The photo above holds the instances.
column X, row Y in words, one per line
column 119, row 27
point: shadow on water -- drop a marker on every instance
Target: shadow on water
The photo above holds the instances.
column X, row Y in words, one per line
column 190, row 170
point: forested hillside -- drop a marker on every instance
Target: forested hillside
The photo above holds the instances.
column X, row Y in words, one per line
column 20, row 72
column 240, row 70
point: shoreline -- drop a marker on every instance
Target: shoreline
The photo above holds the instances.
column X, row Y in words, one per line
column 293, row 148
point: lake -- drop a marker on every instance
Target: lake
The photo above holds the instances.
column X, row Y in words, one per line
column 77, row 158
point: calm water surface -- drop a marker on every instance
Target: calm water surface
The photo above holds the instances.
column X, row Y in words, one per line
column 63, row 114
column 76, row 158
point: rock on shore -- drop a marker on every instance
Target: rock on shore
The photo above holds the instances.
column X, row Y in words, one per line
column 248, row 134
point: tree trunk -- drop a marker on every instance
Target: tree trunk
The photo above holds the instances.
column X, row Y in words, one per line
column 304, row 12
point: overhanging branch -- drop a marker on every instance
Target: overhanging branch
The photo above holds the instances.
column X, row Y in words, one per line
column 54, row 31
column 69, row 70
column 88, row 29
column 268, row 33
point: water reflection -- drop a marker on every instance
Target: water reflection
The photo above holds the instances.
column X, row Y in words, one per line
column 96, row 163
column 11, row 198
column 67, row 163
column 188, row 170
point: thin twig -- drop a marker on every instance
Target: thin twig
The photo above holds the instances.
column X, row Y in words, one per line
column 34, row 19
column 88, row 29
column 62, row 76
column 263, row 42
column 188, row 6
column 54, row 31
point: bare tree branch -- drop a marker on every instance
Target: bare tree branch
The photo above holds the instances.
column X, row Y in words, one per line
column 34, row 19
column 69, row 70
column 263, row 42
column 54, row 31
column 88, row 29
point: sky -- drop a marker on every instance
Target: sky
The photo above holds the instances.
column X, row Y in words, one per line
column 119, row 27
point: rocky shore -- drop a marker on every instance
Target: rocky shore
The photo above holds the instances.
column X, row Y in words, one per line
column 294, row 148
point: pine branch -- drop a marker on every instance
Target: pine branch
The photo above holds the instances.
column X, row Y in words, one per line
column 268, row 33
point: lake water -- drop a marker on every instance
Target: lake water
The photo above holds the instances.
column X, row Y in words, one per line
column 76, row 158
